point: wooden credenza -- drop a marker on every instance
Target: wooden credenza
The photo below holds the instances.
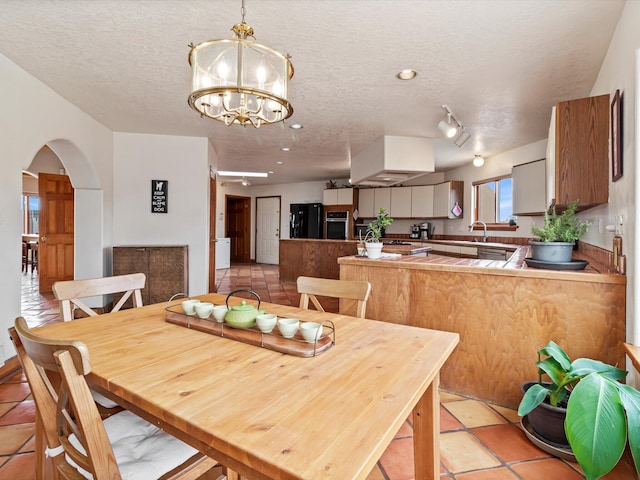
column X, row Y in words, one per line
column 166, row 268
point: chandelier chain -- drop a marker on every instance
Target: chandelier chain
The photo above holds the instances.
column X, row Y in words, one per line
column 243, row 11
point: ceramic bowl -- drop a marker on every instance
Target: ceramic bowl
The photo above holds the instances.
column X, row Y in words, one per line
column 219, row 312
column 311, row 331
column 189, row 306
column 204, row 309
column 266, row 322
column 288, row 327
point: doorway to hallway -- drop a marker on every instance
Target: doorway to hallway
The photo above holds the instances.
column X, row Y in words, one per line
column 238, row 227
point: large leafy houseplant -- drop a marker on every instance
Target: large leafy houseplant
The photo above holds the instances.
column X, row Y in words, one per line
column 565, row 227
column 602, row 413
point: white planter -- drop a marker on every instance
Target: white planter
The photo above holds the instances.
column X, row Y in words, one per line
column 552, row 251
column 374, row 250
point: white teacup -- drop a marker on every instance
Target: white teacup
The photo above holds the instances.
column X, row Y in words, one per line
column 204, row 309
column 189, row 306
column 288, row 327
column 219, row 312
column 266, row 322
column 311, row 331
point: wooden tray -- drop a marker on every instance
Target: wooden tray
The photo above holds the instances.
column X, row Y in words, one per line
column 273, row 341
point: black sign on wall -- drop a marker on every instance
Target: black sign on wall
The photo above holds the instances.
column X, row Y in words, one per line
column 159, row 194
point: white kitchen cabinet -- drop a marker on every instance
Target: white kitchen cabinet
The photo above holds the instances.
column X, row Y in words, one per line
column 366, row 202
column 337, row 196
column 529, row 188
column 422, row 201
column 445, row 197
column 382, row 199
column 400, row 202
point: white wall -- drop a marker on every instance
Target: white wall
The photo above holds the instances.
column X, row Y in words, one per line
column 33, row 115
column 184, row 162
column 621, row 70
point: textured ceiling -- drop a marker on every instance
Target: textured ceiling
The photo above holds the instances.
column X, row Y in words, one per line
column 500, row 65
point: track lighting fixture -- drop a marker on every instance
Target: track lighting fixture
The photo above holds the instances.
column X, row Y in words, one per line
column 453, row 129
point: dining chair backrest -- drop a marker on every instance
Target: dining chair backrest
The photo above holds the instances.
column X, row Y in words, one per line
column 60, row 406
column 70, row 292
column 82, row 445
column 351, row 293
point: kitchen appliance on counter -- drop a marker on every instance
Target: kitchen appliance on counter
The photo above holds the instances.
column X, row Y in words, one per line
column 426, row 231
column 305, row 220
column 337, row 225
column 415, row 231
column 360, row 230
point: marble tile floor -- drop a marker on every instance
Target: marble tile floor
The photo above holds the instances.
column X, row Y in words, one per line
column 479, row 441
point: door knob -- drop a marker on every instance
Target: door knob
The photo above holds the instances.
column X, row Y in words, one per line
column 43, row 239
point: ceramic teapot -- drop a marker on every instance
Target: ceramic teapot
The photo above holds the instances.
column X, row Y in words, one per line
column 243, row 315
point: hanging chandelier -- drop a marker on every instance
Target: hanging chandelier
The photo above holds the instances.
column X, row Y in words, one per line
column 239, row 81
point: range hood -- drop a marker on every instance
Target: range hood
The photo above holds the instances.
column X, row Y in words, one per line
column 391, row 160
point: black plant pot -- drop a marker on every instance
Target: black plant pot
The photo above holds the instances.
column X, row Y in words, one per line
column 547, row 421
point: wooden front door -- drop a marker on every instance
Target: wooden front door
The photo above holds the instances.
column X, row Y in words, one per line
column 55, row 246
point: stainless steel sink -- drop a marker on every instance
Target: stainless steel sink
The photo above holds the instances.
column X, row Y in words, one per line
column 487, row 253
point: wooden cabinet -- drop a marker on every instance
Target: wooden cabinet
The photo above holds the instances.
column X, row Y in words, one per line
column 400, row 202
column 581, row 157
column 422, row 201
column 529, row 188
column 166, row 269
column 445, row 197
column 338, row 196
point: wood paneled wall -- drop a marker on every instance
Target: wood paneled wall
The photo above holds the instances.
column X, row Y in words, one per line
column 313, row 258
column 503, row 319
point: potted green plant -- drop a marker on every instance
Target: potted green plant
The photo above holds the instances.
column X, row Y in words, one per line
column 374, row 232
column 331, row 184
column 558, row 235
column 601, row 412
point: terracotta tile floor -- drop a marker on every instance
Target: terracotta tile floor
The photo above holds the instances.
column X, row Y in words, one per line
column 479, row 441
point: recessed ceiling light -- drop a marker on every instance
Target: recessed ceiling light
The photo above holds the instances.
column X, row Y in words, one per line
column 279, row 162
column 407, row 74
column 295, row 126
column 286, row 149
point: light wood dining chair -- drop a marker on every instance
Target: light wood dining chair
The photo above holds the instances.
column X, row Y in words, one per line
column 78, row 442
column 70, row 292
column 351, row 293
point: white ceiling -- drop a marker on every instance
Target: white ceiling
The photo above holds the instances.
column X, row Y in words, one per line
column 500, row 65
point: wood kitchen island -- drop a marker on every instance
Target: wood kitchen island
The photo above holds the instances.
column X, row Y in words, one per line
column 319, row 257
column 503, row 311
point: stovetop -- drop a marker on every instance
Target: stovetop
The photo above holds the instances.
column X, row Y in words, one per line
column 396, row 242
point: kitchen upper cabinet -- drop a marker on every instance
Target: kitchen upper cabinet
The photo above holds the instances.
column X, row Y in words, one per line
column 381, row 199
column 445, row 197
column 580, row 160
column 422, row 201
column 529, row 188
column 400, row 202
column 338, row 196
column 366, row 202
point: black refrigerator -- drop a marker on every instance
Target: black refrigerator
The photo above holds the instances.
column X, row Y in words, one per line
column 305, row 220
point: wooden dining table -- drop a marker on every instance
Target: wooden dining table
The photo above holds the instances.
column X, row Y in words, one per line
column 270, row 415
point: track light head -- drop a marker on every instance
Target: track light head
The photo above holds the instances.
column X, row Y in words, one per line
column 449, row 129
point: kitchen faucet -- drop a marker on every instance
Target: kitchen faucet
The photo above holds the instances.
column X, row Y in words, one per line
column 484, row 228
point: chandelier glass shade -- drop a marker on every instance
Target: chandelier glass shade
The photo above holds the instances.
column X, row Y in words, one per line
column 239, row 81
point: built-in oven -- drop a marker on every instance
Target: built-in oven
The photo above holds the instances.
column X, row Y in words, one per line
column 337, row 225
